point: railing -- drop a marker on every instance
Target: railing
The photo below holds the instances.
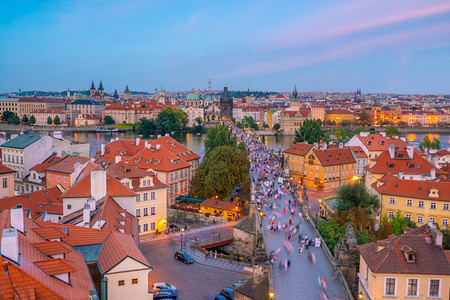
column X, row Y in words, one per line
column 212, row 240
column 229, row 257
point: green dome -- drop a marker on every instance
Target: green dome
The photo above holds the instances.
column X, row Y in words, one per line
column 208, row 99
column 193, row 96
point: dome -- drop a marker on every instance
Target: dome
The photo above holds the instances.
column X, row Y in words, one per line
column 208, row 99
column 193, row 96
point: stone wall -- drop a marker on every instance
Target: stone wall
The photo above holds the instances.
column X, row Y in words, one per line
column 243, row 242
column 189, row 217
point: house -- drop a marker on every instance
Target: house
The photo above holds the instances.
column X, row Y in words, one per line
column 42, row 116
column 87, row 120
column 290, row 120
column 419, row 201
column 339, row 115
column 295, row 157
column 219, row 208
column 65, row 171
column 374, row 144
column 410, row 265
column 361, row 160
column 36, row 179
column 6, row 181
column 85, row 107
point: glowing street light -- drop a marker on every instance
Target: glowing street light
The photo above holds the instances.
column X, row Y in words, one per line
column 271, row 294
column 360, row 295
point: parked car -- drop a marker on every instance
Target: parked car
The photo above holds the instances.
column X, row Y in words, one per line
column 184, row 257
column 220, row 297
column 163, row 286
column 228, row 293
column 240, row 282
column 165, row 294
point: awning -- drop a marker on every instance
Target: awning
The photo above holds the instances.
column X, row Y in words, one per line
column 190, row 199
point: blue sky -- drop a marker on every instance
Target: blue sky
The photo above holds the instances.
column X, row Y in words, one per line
column 400, row 46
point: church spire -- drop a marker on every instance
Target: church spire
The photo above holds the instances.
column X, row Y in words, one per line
column 100, row 86
column 295, row 93
column 92, row 85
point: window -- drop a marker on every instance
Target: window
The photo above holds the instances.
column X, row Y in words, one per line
column 48, row 176
column 145, row 212
column 145, row 227
column 444, row 222
column 433, row 205
column 152, row 226
column 21, row 160
column 421, row 204
column 138, row 198
column 389, row 287
column 408, row 216
column 152, row 211
column 138, row 213
column 65, row 179
column 134, row 281
column 419, row 219
column 127, row 184
column 391, row 200
column 409, row 202
column 5, row 182
column 433, row 220
column 57, row 178
column 69, row 206
column 412, row 287
column 145, row 196
column 445, row 206
column 391, row 214
column 434, row 290
column 121, row 283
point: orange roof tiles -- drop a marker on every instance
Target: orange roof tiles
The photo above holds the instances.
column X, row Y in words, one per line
column 51, row 247
column 175, row 147
column 221, row 205
column 376, row 142
column 158, row 159
column 55, row 266
column 49, row 161
column 124, row 170
column 49, row 233
column 67, row 164
column 5, row 169
column 337, row 156
column 299, row 149
column 358, row 151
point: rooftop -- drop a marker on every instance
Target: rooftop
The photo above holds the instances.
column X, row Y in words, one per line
column 22, row 141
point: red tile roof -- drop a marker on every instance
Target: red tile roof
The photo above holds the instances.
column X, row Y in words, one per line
column 67, row 164
column 388, row 256
column 49, row 233
column 337, row 156
column 158, row 159
column 358, row 151
column 5, row 169
column 340, row 111
column 175, row 147
column 123, row 170
column 55, row 266
column 376, row 142
column 299, row 149
column 51, row 247
column 49, row 161
column 221, row 205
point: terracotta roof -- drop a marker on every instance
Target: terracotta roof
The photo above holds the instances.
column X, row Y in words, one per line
column 358, row 151
column 123, row 170
column 5, row 169
column 158, row 159
column 82, row 188
column 49, row 233
column 340, row 111
column 376, row 142
column 391, row 185
column 49, row 161
column 117, row 247
column 124, row 148
column 337, row 156
column 47, row 111
column 442, row 152
column 418, row 165
column 51, row 247
column 221, row 205
column 299, row 149
column 54, row 266
column 447, row 255
column 67, row 164
column 51, row 208
column 388, row 256
column 156, row 185
column 175, row 147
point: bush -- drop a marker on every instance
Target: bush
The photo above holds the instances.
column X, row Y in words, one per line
column 207, row 215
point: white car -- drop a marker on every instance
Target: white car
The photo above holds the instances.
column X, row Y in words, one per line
column 163, row 286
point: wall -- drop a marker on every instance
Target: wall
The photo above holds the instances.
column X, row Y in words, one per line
column 160, row 218
column 7, row 191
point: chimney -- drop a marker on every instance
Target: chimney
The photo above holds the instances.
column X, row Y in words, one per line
column 117, row 138
column 158, row 147
column 17, row 219
column 10, row 244
column 146, row 144
column 91, row 203
column 410, row 151
column 98, row 184
column 383, row 134
column 316, row 145
column 77, row 168
column 138, row 141
column 433, row 173
column 341, row 145
column 112, row 140
column 102, row 149
column 159, row 136
column 167, row 134
column 400, row 174
column 118, row 158
column 86, row 215
column 324, row 146
column 57, row 134
column 435, row 161
column 403, row 138
column 392, row 151
column 364, row 134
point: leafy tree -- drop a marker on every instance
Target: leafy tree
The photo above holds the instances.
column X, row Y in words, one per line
column 109, row 120
column 56, row 120
column 14, row 119
column 428, row 144
column 398, row 222
column 346, row 123
column 338, row 135
column 391, row 131
column 32, row 120
column 169, row 120
column 143, row 106
column 6, row 115
column 199, row 120
column 49, row 120
column 363, row 118
column 360, row 129
column 356, row 196
column 331, row 232
column 309, row 132
column 445, row 239
column 248, row 122
column 265, row 126
column 218, row 136
column 402, row 124
column 224, row 168
column 181, row 117
column 146, row 127
column 25, row 119
column 276, row 127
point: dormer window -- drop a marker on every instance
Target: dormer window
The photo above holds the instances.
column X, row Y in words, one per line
column 411, row 257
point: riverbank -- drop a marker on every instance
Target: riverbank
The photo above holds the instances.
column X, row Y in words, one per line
column 103, row 128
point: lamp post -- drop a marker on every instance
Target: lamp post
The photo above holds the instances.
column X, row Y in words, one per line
column 181, row 239
column 271, row 294
column 360, row 295
column 316, row 220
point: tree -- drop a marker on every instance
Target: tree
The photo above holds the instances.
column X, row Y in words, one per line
column 402, row 124
column 356, row 196
column 218, row 136
column 248, row 122
column 56, row 120
column 109, row 120
column 14, row 119
column 25, row 119
column 363, row 118
column 391, row 131
column 445, row 239
column 265, row 126
column 309, row 132
column 398, row 222
column 199, row 120
column 181, row 117
column 346, row 123
column 6, row 115
column 338, row 135
column 146, row 127
column 360, row 129
column 427, row 144
column 169, row 120
column 276, row 127
column 32, row 120
column 49, row 120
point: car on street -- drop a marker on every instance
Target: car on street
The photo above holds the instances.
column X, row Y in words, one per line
column 240, row 282
column 165, row 294
column 227, row 293
column 163, row 286
column 184, row 257
column 220, row 297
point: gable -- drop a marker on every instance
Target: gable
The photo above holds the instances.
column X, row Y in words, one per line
column 128, row 264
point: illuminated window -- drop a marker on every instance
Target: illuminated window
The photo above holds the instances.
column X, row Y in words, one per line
column 121, row 283
column 134, row 281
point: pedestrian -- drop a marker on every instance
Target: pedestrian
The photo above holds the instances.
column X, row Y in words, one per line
column 248, row 260
column 206, row 254
column 215, row 253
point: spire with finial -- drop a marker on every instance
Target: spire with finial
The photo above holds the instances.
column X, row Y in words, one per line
column 92, row 85
column 294, row 93
column 127, row 89
column 100, row 86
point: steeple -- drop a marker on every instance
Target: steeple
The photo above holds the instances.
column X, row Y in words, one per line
column 294, row 93
column 126, row 89
column 248, row 92
column 100, row 86
column 92, row 85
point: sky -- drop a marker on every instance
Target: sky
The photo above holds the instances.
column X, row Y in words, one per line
column 400, row 46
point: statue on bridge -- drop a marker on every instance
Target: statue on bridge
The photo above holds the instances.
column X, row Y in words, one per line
column 304, row 195
column 345, row 255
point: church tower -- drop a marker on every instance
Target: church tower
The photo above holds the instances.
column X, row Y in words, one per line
column 127, row 93
column 100, row 90
column 68, row 94
column 92, row 89
column 226, row 105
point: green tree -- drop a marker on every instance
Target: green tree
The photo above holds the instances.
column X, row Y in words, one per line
column 169, row 120
column 360, row 129
column 309, row 132
column 363, row 118
column 49, row 120
column 331, row 232
column 402, row 124
column 146, row 127
column 218, row 136
column 181, row 117
column 109, row 120
column 199, row 120
column 249, row 122
column 346, row 123
column 337, row 135
column 445, row 239
column 265, row 126
column 56, row 120
column 14, row 120
column 25, row 119
column 356, row 196
column 32, row 120
column 398, row 222
column 427, row 144
column 391, row 131
column 6, row 115
column 276, row 127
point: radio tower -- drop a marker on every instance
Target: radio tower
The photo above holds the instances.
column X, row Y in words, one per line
column 209, row 83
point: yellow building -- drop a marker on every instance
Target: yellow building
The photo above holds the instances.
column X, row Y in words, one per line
column 226, row 210
column 295, row 157
column 419, row 201
column 339, row 115
column 290, row 120
column 409, row 266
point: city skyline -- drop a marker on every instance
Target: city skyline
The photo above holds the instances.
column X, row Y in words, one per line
column 377, row 46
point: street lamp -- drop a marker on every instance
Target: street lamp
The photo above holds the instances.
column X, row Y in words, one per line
column 316, row 220
column 360, row 295
column 271, row 294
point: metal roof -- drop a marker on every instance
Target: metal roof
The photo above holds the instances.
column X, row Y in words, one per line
column 22, row 141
